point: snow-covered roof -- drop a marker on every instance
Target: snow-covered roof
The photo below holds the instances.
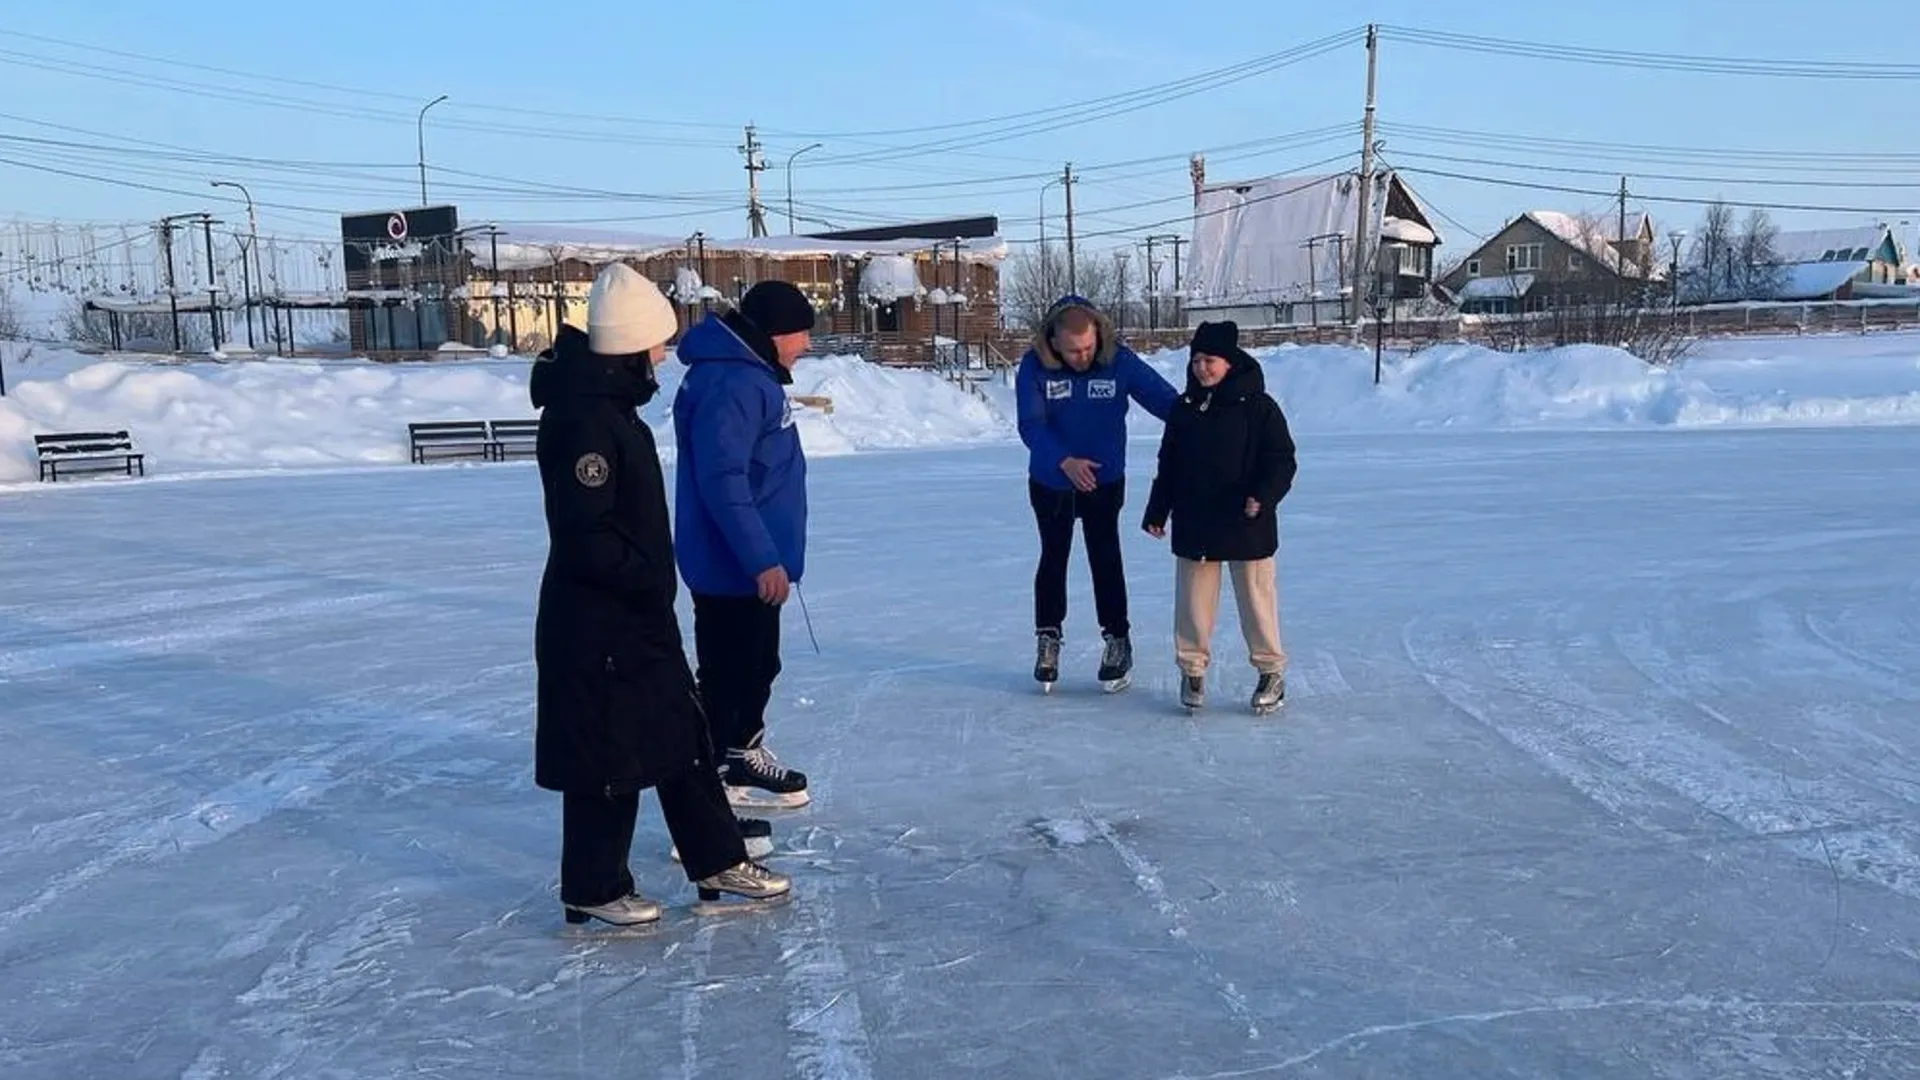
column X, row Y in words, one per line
column 1814, row 280
column 1493, row 288
column 524, row 247
column 1830, row 245
column 1286, row 238
column 1589, row 238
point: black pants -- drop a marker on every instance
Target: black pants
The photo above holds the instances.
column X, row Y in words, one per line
column 1098, row 512
column 596, row 835
column 736, row 640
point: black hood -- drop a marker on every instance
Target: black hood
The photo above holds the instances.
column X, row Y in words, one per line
column 572, row 369
column 1244, row 379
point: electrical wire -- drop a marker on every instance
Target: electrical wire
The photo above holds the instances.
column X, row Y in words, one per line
column 1654, row 61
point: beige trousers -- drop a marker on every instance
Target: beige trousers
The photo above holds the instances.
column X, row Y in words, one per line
column 1196, row 601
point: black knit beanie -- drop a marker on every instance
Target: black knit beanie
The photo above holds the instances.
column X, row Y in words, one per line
column 1220, row 339
column 777, row 307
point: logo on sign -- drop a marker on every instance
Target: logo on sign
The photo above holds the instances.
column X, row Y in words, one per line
column 1103, row 389
column 397, row 225
column 1059, row 389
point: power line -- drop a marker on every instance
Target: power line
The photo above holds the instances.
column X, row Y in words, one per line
column 1721, row 180
column 1769, row 158
column 1746, row 204
column 1621, row 58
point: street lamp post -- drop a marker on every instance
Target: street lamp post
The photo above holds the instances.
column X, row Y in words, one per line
column 421, row 131
column 1676, row 238
column 253, row 246
column 790, row 160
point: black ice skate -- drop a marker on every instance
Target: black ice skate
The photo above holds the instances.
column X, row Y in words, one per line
column 749, row 881
column 1046, row 661
column 755, row 779
column 630, row 910
column 757, row 832
column 1193, row 692
column 1116, row 664
column 1270, row 694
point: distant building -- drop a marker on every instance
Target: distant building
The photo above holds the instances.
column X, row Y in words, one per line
column 1279, row 250
column 417, row 281
column 1545, row 258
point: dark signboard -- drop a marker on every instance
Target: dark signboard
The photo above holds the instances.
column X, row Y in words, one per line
column 390, row 237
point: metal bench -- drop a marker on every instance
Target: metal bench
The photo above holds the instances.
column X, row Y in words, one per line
column 450, row 438
column 87, row 452
column 513, row 438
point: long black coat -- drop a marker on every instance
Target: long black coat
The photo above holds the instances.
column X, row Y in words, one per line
column 1219, row 447
column 617, row 709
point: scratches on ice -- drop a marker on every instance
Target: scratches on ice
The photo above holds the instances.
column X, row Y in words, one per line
column 1146, row 877
column 830, row 1037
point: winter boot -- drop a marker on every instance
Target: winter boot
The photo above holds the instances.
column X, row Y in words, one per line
column 1046, row 660
column 630, row 910
column 757, row 832
column 1270, row 694
column 749, row 880
column 1116, row 664
column 1193, row 692
column 756, row 779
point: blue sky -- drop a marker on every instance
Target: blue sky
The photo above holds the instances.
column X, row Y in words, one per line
column 681, row 79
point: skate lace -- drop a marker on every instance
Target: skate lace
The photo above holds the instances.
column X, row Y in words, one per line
column 753, row 871
column 761, row 760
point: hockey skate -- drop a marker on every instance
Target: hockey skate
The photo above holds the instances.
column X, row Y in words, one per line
column 754, row 884
column 757, row 832
column 1116, row 664
column 1270, row 694
column 1046, row 661
column 630, row 910
column 756, row 780
column 1193, row 693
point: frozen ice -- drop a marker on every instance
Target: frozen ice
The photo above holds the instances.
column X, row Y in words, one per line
column 1601, row 758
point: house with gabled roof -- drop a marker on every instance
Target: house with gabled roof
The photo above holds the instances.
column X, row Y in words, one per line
column 1547, row 257
column 1279, row 250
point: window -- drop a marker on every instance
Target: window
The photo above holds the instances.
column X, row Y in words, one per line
column 1573, row 263
column 1523, row 257
column 1473, row 267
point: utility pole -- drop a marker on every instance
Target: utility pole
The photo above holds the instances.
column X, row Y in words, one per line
column 1623, row 218
column 1073, row 282
column 1366, row 172
column 252, row 247
column 1153, row 286
column 756, row 214
column 1179, row 298
column 1120, row 266
column 213, row 289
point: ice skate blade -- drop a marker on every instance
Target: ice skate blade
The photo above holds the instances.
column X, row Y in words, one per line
column 728, row 904
column 581, row 922
column 755, row 799
column 1046, row 686
column 758, row 847
column 1269, row 710
column 1116, row 686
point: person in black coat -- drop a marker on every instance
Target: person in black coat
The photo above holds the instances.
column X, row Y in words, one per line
column 617, row 711
column 1227, row 459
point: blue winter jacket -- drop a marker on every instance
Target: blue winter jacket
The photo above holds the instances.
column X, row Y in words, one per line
column 740, row 490
column 1064, row 413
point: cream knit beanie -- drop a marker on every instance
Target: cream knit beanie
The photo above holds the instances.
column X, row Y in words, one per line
column 626, row 313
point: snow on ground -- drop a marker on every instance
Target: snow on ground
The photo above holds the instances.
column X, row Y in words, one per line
column 1602, row 758
column 196, row 416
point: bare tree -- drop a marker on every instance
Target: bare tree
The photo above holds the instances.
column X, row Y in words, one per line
column 1715, row 252
column 1037, row 276
column 11, row 328
column 1761, row 275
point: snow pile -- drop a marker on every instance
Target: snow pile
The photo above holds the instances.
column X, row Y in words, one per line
column 1746, row 382
column 193, row 416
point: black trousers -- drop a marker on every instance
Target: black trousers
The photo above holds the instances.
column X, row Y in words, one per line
column 596, row 835
column 1098, row 512
column 736, row 642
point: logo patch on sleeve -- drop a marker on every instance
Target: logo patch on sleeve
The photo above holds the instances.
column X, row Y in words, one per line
column 591, row 470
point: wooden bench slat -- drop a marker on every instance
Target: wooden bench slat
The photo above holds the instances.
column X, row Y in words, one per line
column 85, row 452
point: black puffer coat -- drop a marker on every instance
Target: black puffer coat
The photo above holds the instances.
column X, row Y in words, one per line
column 617, row 709
column 1219, row 448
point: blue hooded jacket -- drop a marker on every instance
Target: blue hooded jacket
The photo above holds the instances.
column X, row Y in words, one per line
column 740, row 480
column 1066, row 413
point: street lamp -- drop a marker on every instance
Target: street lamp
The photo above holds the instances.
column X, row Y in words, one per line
column 253, row 246
column 790, row 159
column 1676, row 238
column 421, row 129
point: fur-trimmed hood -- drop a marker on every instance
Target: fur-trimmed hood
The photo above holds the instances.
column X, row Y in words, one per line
column 1043, row 341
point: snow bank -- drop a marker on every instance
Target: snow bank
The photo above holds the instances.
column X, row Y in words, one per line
column 197, row 416
column 1751, row 382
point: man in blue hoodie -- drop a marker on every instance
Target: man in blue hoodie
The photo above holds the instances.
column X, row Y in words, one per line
column 740, row 513
column 1073, row 391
